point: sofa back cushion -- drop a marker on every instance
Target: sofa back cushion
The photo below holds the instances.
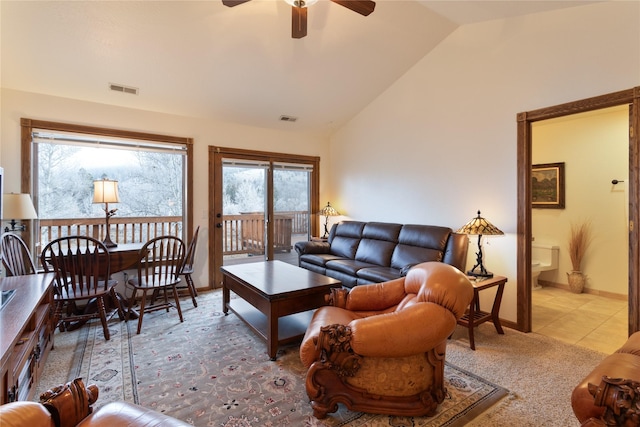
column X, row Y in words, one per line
column 419, row 243
column 378, row 242
column 345, row 237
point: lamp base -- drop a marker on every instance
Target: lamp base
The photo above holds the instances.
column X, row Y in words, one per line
column 482, row 274
column 15, row 227
column 108, row 243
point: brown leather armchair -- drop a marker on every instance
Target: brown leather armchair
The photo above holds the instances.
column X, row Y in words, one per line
column 380, row 348
column 610, row 393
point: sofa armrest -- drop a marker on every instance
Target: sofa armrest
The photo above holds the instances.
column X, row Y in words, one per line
column 312, row 248
column 376, row 296
column 412, row 330
column 25, row 413
column 69, row 403
column 129, row 414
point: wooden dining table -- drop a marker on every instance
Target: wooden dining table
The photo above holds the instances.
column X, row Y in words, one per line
column 124, row 256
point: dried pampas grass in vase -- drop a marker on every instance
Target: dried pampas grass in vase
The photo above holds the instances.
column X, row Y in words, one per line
column 579, row 241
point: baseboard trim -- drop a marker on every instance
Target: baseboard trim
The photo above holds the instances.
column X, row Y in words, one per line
column 565, row 287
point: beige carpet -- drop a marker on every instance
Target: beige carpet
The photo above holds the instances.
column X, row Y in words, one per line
column 539, row 371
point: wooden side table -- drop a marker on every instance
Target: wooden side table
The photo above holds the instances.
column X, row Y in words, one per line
column 474, row 316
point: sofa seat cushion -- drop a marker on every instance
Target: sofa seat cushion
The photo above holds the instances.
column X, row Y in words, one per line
column 347, row 280
column 348, row 266
column 378, row 274
column 319, row 259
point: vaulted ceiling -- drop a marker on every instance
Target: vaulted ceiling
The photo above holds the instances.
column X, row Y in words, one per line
column 240, row 64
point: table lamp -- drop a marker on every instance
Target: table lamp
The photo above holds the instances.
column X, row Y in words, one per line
column 106, row 191
column 327, row 211
column 479, row 226
column 17, row 206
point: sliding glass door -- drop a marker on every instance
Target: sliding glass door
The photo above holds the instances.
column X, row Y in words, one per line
column 262, row 204
column 291, row 209
column 244, row 210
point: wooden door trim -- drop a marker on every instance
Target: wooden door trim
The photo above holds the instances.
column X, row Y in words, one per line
column 629, row 97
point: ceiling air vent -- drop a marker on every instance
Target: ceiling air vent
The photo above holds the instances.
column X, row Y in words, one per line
column 288, row 119
column 123, row 88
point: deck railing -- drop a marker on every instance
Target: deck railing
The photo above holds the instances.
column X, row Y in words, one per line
column 242, row 234
column 123, row 230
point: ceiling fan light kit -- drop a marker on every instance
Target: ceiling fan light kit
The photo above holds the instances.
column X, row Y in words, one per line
column 301, row 3
column 299, row 11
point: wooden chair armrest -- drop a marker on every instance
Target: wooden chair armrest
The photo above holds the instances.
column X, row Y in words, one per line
column 337, row 297
column 620, row 397
column 70, row 403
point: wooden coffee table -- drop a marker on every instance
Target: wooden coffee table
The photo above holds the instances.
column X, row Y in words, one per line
column 277, row 299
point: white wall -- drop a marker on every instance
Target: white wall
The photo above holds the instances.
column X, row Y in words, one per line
column 441, row 142
column 595, row 149
column 16, row 105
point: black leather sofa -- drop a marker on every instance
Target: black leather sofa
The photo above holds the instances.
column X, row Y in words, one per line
column 359, row 253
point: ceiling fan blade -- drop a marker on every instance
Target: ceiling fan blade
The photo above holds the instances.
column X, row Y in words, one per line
column 232, row 3
column 363, row 7
column 298, row 22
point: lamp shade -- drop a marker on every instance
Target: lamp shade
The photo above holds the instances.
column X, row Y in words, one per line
column 479, row 226
column 18, row 206
column 105, row 191
column 328, row 211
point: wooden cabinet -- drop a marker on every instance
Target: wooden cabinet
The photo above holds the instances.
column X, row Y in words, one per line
column 26, row 334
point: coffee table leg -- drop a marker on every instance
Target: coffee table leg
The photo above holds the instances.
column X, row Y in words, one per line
column 225, row 296
column 272, row 334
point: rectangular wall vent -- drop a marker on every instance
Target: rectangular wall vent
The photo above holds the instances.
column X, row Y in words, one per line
column 122, row 88
column 288, row 119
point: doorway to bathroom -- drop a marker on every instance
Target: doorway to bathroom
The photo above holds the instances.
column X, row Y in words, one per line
column 629, row 98
column 590, row 150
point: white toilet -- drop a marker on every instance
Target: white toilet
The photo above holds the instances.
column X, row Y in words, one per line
column 543, row 258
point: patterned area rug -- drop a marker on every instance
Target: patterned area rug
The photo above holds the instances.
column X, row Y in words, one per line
column 212, row 370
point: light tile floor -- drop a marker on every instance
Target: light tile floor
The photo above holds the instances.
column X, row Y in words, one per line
column 590, row 321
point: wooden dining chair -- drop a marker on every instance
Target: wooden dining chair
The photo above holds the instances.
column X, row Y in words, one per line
column 187, row 268
column 16, row 258
column 81, row 264
column 159, row 266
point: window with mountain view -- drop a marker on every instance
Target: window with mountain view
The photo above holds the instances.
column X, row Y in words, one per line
column 151, row 180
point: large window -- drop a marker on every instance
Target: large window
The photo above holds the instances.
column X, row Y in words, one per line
column 152, row 173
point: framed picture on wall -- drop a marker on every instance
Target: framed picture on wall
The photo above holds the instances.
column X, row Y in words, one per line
column 547, row 186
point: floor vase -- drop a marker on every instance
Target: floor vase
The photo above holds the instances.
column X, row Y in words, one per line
column 576, row 281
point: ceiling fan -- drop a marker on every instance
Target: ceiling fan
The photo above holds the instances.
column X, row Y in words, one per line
column 299, row 11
